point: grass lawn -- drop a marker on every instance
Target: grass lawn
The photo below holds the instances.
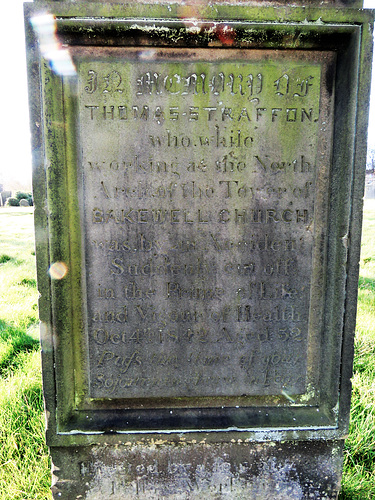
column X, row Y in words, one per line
column 359, row 469
column 24, row 462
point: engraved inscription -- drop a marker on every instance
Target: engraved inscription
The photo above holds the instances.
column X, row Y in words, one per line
column 199, row 182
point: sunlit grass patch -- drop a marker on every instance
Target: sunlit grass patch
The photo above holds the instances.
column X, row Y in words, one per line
column 5, row 258
column 13, row 342
column 361, row 440
column 24, row 463
column 28, row 282
column 18, row 304
column 359, row 465
column 358, row 485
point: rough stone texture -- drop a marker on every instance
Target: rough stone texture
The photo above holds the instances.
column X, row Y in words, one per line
column 200, row 216
column 202, row 3
column 263, row 471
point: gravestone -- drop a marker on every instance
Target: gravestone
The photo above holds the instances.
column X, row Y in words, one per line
column 370, row 188
column 203, row 170
column 4, row 195
column 24, row 203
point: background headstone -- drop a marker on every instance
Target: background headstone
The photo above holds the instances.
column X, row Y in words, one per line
column 5, row 195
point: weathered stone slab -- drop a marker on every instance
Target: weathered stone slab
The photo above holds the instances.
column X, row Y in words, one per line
column 266, row 472
column 199, row 192
column 198, row 177
column 209, row 203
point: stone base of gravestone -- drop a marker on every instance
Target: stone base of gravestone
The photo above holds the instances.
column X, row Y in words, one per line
column 257, row 471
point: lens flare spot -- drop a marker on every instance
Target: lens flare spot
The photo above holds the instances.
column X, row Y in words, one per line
column 58, row 270
column 59, row 59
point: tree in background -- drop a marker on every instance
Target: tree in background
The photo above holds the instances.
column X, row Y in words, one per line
column 15, row 201
column 25, row 196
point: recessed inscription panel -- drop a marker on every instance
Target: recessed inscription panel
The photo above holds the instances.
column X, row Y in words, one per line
column 199, row 175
